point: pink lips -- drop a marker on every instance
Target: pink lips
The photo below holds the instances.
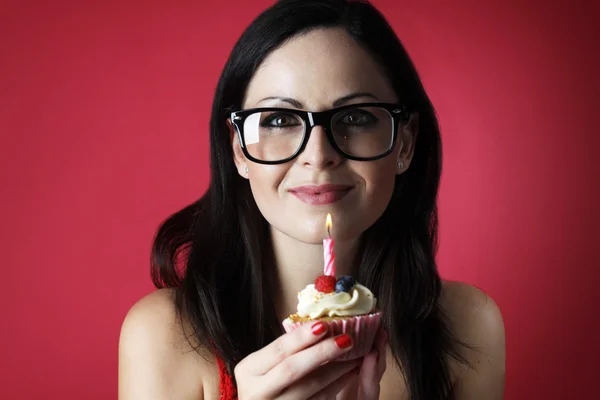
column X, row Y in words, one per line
column 321, row 194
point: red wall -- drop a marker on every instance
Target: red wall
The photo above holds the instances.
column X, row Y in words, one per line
column 103, row 116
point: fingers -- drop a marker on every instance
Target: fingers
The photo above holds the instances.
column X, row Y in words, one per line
column 369, row 381
column 324, row 382
column 337, row 386
column 265, row 359
column 382, row 343
column 373, row 368
column 301, row 364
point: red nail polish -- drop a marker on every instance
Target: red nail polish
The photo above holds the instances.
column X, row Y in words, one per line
column 318, row 328
column 343, row 341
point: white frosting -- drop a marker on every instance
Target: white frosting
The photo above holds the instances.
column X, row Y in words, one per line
column 314, row 304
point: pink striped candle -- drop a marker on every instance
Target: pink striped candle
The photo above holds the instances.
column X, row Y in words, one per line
column 328, row 253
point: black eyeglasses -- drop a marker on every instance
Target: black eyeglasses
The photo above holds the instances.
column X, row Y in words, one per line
column 361, row 132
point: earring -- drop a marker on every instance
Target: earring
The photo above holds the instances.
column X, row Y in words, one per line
column 400, row 164
column 246, row 170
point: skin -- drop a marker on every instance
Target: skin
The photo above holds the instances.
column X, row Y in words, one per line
column 155, row 360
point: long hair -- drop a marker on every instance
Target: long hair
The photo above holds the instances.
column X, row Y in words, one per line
column 214, row 251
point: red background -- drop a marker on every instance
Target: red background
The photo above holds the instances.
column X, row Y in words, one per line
column 103, row 118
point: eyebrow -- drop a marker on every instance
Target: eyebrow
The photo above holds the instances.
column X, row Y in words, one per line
column 337, row 103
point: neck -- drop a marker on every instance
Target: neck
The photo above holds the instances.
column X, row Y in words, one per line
column 298, row 264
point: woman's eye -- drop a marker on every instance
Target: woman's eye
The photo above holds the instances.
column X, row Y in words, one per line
column 357, row 118
column 280, row 121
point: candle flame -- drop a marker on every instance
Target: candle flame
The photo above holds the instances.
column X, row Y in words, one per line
column 328, row 224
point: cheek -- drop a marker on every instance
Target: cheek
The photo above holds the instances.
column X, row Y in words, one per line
column 379, row 179
column 264, row 182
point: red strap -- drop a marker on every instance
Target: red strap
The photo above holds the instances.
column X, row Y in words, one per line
column 226, row 387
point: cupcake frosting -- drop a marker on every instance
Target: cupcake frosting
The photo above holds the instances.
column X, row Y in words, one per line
column 315, row 304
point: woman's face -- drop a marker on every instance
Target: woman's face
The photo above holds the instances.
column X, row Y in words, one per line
column 316, row 70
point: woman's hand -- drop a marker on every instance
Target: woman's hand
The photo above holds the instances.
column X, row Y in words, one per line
column 371, row 371
column 298, row 365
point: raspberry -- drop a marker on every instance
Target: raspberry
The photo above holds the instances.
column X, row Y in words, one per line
column 325, row 283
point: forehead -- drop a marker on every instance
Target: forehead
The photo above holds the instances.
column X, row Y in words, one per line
column 316, row 69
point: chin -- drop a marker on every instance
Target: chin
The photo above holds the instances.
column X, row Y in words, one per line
column 313, row 231
column 309, row 230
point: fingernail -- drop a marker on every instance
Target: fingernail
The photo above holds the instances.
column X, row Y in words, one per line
column 318, row 328
column 343, row 341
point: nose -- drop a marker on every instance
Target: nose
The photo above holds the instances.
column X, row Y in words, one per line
column 319, row 153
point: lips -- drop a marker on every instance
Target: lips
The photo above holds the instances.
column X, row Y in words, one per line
column 321, row 194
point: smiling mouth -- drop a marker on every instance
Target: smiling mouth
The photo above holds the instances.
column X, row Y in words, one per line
column 322, row 194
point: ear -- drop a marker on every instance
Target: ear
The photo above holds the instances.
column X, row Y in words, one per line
column 238, row 155
column 408, row 136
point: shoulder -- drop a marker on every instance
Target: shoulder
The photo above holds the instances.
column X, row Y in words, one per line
column 466, row 303
column 155, row 357
column 475, row 320
column 152, row 318
column 473, row 315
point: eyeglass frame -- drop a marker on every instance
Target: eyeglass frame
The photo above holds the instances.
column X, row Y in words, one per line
column 398, row 112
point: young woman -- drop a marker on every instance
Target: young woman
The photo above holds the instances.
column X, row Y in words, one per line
column 318, row 110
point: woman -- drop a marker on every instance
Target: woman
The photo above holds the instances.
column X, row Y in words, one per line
column 229, row 266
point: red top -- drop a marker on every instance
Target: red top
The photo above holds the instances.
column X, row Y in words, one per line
column 226, row 386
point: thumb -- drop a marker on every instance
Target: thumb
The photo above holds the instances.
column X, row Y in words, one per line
column 369, row 377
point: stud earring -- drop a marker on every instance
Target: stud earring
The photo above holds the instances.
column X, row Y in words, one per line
column 400, row 164
column 246, row 170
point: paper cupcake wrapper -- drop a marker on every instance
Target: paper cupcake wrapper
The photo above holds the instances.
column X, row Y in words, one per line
column 362, row 329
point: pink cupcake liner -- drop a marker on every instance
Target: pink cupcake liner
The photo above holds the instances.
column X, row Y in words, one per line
column 361, row 328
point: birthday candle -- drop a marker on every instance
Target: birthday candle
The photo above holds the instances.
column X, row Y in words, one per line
column 328, row 253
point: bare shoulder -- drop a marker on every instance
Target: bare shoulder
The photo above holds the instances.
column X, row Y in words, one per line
column 475, row 319
column 155, row 358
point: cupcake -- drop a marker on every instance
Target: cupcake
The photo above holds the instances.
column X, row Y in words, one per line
column 344, row 306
